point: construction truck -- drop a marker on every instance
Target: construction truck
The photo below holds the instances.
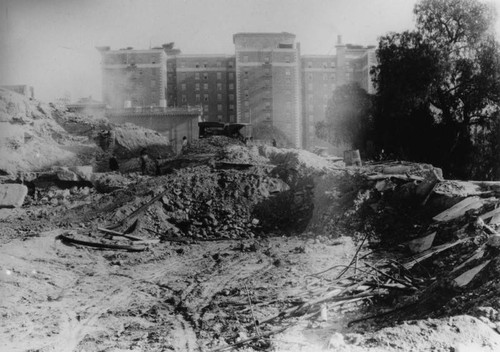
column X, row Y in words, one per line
column 232, row 130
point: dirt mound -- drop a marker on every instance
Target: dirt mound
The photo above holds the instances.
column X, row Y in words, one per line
column 35, row 136
column 32, row 140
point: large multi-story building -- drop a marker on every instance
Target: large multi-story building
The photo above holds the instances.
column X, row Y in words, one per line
column 266, row 83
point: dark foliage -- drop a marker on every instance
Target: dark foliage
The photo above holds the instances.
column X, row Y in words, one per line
column 349, row 117
column 438, row 89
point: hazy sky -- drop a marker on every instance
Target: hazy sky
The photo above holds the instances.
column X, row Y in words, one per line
column 50, row 44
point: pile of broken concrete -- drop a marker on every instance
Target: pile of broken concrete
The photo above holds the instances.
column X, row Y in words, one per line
column 444, row 237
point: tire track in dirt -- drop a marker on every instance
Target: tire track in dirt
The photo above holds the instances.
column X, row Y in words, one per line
column 73, row 328
column 197, row 297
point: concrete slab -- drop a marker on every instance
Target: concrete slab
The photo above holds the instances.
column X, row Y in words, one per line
column 12, row 195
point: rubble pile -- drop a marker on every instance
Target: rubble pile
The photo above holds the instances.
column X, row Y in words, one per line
column 195, row 203
column 209, row 202
column 442, row 235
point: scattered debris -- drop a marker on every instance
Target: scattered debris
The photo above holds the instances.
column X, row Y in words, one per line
column 234, row 246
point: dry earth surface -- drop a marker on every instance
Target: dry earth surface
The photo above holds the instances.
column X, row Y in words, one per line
column 234, row 247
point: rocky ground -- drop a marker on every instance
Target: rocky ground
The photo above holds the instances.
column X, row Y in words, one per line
column 234, row 247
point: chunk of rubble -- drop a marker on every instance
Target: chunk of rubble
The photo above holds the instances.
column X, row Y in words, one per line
column 65, row 174
column 12, row 195
column 494, row 241
column 106, row 183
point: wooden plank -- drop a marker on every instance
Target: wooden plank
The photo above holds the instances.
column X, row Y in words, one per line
column 68, row 239
column 460, row 209
column 468, row 276
column 478, row 254
column 421, row 244
column 430, row 252
column 116, row 233
column 490, row 214
column 397, row 176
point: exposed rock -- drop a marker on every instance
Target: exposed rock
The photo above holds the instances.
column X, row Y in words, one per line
column 105, row 183
column 12, row 195
column 84, row 172
column 64, row 174
column 494, row 241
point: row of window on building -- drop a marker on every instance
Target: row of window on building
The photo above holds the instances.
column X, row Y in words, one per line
column 325, row 76
column 206, row 86
column 206, row 97
column 197, row 76
column 267, row 59
column 184, row 64
column 324, row 64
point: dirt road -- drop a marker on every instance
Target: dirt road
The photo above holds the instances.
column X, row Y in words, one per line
column 174, row 297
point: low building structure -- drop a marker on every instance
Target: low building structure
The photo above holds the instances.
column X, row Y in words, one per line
column 174, row 123
column 27, row 91
column 88, row 106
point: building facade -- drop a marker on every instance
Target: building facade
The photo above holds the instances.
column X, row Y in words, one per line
column 354, row 63
column 321, row 74
column 319, row 82
column 207, row 81
column 133, row 78
column 268, row 88
column 266, row 83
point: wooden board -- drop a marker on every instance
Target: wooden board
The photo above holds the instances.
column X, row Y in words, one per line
column 460, row 209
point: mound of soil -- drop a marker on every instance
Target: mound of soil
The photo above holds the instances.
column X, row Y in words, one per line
column 36, row 136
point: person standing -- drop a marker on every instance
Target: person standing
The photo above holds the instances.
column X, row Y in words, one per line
column 184, row 143
column 144, row 161
column 113, row 163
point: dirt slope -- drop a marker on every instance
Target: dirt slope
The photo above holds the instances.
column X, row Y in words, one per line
column 35, row 136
